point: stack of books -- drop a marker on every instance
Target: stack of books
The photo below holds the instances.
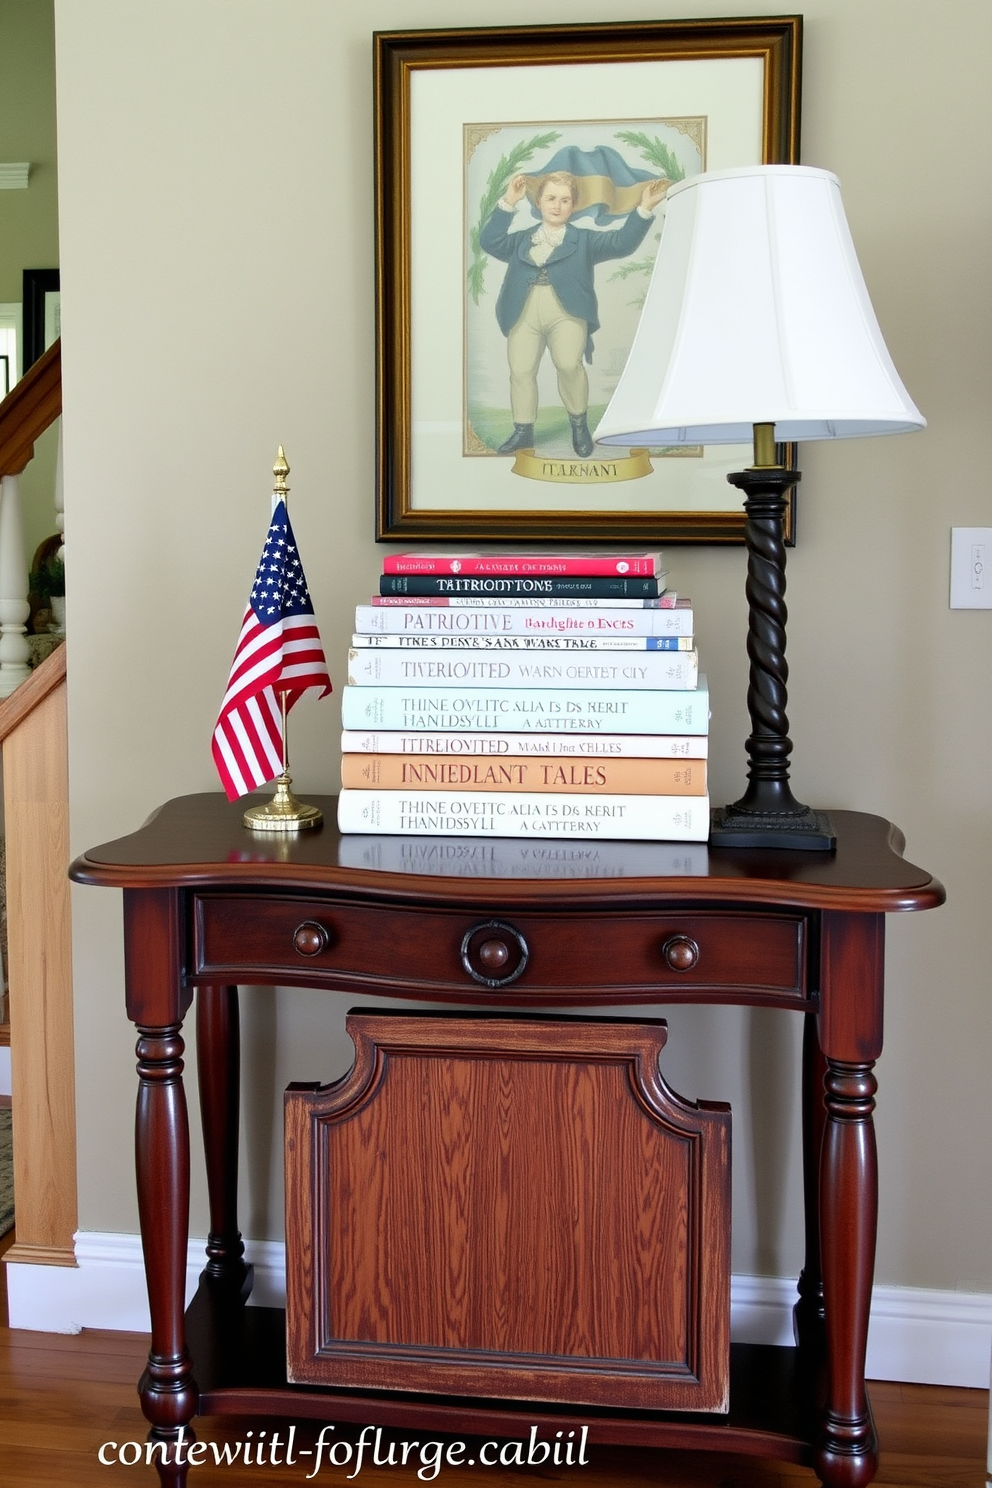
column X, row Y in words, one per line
column 525, row 696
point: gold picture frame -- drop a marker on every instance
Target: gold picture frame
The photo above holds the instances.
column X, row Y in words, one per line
column 453, row 109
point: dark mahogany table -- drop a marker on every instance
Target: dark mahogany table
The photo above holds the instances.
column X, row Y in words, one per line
column 511, row 924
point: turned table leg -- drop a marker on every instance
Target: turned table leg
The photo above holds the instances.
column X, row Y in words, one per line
column 848, row 1215
column 167, row 1389
column 850, row 1029
column 157, row 1001
column 219, row 1068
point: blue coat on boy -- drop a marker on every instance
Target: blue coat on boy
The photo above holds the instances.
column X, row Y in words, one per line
column 569, row 269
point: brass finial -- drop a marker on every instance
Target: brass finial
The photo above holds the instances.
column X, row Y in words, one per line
column 280, row 470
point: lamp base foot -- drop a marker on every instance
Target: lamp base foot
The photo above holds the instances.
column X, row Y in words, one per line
column 803, row 831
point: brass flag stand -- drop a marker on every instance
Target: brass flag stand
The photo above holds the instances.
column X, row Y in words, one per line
column 284, row 813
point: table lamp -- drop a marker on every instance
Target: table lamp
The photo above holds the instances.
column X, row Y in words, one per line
column 757, row 325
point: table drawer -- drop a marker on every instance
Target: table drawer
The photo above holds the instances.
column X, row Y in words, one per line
column 465, row 955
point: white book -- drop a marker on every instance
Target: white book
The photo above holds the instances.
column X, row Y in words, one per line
column 524, row 710
column 549, row 669
column 477, row 618
column 432, row 642
column 531, row 814
column 575, row 746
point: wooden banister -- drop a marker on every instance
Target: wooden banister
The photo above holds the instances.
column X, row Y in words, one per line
column 44, row 679
column 28, row 409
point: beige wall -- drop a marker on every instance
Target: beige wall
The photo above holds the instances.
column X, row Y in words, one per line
column 216, row 214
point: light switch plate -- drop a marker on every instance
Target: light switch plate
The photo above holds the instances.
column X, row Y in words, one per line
column 971, row 568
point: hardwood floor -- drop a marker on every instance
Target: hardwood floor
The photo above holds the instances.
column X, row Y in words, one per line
column 62, row 1397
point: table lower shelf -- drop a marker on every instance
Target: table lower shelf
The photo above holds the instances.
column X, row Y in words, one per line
column 239, row 1362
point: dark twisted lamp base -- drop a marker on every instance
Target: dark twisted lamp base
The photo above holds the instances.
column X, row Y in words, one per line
column 768, row 815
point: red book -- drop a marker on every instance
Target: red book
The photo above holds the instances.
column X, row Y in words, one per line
column 528, row 565
column 666, row 601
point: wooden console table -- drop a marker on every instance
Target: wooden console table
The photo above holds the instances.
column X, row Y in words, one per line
column 486, row 923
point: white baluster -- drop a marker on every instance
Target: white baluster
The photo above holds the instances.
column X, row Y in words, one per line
column 14, row 607
column 60, row 496
column 58, row 600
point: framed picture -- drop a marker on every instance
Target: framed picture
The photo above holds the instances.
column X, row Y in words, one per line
column 488, row 395
column 42, row 312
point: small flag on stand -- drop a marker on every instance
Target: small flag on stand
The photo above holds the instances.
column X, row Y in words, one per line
column 279, row 652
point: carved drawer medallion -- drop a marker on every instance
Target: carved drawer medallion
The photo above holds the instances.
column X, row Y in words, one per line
column 509, row 1207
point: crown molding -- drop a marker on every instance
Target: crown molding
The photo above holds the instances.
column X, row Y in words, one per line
column 14, row 175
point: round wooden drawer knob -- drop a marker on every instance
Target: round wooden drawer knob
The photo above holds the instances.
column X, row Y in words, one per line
column 493, row 954
column 310, row 939
column 680, row 952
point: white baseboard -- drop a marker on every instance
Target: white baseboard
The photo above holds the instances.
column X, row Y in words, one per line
column 921, row 1337
column 106, row 1287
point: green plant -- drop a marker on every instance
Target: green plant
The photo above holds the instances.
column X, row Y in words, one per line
column 48, row 581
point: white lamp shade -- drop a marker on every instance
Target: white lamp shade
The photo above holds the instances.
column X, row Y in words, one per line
column 756, row 313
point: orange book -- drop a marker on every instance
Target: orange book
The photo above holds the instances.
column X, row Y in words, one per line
column 607, row 777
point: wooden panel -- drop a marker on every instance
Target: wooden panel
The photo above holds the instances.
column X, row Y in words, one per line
column 515, row 1208
column 39, row 947
column 393, row 949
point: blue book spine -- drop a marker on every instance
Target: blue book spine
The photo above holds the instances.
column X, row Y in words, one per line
column 527, row 710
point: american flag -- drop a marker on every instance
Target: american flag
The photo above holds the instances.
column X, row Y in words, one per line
column 279, row 651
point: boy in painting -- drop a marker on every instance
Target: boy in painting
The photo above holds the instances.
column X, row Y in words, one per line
column 548, row 297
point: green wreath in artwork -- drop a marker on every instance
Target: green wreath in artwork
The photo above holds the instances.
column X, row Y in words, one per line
column 664, row 160
column 654, row 151
column 506, row 167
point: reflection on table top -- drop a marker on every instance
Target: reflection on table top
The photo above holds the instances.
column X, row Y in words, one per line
column 199, row 841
